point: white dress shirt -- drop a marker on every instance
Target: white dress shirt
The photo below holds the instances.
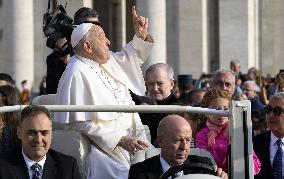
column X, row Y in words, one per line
column 29, row 163
column 166, row 166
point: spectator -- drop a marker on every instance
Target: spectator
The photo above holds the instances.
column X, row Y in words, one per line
column 95, row 76
column 86, row 15
column 159, row 79
column 174, row 136
column 257, row 109
column 215, row 136
column 235, row 66
column 6, row 79
column 224, row 80
column 265, row 145
column 56, row 63
column 10, row 120
column 35, row 159
column 25, row 94
column 42, row 86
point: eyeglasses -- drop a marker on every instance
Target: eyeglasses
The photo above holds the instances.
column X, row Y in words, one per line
column 277, row 111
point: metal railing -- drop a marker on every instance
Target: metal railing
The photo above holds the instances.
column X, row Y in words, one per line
column 241, row 166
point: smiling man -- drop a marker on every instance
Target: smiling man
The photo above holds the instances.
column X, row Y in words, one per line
column 35, row 160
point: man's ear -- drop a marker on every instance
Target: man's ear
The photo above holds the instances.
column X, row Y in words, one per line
column 172, row 83
column 19, row 133
column 160, row 141
column 87, row 47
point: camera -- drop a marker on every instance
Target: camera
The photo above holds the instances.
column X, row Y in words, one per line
column 57, row 25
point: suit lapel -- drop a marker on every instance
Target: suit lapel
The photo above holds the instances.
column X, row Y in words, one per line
column 20, row 167
column 49, row 169
column 155, row 168
column 266, row 150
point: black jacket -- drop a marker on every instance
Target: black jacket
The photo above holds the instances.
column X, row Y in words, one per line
column 152, row 169
column 57, row 165
column 261, row 145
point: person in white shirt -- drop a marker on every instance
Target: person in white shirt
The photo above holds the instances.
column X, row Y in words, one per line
column 174, row 138
column 35, row 159
column 96, row 76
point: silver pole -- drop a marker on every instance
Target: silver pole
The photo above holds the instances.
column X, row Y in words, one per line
column 122, row 108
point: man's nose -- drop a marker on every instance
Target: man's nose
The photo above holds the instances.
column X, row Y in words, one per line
column 38, row 137
column 107, row 41
column 184, row 145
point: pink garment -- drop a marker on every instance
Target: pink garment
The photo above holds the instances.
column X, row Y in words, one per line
column 219, row 150
column 214, row 130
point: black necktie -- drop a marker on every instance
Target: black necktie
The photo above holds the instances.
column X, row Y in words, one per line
column 37, row 171
column 277, row 162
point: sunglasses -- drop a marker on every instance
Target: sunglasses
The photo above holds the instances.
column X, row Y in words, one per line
column 277, row 111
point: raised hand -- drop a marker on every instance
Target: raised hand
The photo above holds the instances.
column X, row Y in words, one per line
column 140, row 24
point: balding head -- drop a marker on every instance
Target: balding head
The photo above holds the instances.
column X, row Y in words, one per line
column 174, row 137
column 171, row 123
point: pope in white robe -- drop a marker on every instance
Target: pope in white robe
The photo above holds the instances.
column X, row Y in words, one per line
column 95, row 76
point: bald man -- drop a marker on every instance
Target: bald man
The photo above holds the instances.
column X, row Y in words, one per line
column 174, row 135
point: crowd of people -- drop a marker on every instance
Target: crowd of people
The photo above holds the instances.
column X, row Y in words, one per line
column 90, row 74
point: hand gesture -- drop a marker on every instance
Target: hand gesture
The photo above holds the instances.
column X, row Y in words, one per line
column 131, row 144
column 140, row 24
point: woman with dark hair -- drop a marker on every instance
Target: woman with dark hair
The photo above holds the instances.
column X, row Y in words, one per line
column 9, row 121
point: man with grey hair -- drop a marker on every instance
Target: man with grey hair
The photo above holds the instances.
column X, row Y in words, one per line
column 96, row 76
column 224, row 80
column 268, row 146
column 235, row 66
column 159, row 79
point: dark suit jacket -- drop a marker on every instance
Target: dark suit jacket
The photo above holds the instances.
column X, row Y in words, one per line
column 151, row 168
column 55, row 68
column 57, row 165
column 261, row 144
column 152, row 120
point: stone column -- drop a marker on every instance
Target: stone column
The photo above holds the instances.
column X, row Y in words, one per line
column 119, row 24
column 18, row 40
column 185, row 36
column 272, row 39
column 155, row 10
column 238, row 33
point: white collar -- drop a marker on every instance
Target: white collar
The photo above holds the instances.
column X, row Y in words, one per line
column 273, row 139
column 165, row 164
column 29, row 162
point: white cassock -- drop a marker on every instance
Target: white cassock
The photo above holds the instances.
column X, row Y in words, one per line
column 86, row 82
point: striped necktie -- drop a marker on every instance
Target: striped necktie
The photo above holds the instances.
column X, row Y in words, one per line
column 277, row 161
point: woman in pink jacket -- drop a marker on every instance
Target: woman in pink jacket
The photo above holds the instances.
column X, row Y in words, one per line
column 214, row 137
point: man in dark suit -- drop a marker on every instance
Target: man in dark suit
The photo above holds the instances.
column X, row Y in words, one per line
column 159, row 80
column 174, row 137
column 265, row 145
column 35, row 160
